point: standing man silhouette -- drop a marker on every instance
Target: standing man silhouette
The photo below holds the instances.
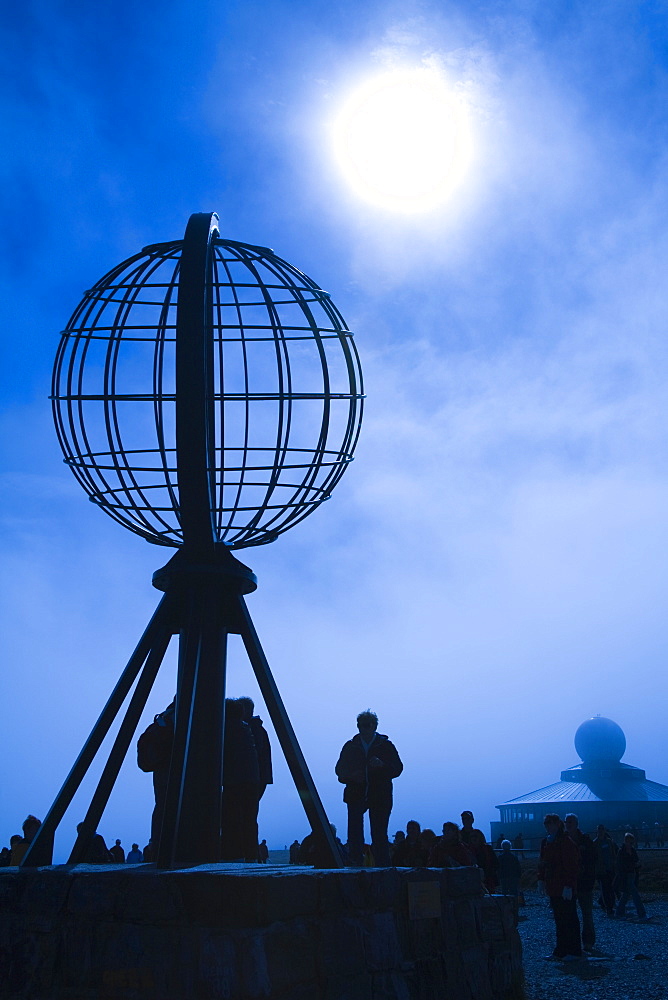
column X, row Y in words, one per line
column 263, row 749
column 366, row 766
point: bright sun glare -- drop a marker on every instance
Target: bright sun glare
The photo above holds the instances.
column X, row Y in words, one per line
column 402, row 140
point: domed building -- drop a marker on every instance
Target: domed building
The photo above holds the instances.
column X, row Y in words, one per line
column 599, row 790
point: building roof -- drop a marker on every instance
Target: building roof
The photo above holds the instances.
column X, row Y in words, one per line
column 605, row 791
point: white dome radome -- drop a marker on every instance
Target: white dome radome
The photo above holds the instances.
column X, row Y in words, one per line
column 600, row 739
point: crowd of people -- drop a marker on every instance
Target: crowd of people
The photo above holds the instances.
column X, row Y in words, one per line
column 651, row 835
column 570, row 862
column 570, row 866
column 96, row 852
column 457, row 847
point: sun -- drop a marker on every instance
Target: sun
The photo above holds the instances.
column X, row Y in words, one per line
column 402, row 140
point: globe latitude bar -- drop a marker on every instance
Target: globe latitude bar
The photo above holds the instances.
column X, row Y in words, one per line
column 247, row 377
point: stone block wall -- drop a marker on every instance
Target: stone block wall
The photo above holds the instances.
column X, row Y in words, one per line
column 228, row 932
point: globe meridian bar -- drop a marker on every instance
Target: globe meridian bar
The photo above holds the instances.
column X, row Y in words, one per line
column 195, row 446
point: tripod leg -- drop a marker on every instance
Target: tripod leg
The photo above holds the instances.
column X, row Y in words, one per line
column 119, row 749
column 286, row 736
column 40, row 851
column 191, row 822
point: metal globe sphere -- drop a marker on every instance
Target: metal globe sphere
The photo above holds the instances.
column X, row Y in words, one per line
column 600, row 739
column 286, row 393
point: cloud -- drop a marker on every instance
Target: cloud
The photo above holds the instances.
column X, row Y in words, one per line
column 489, row 571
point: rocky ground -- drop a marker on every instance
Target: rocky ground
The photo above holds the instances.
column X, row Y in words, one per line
column 630, row 961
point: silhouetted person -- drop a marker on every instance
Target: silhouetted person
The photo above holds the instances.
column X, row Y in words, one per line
column 262, row 852
column 263, row 750
column 518, row 844
column 154, row 753
column 343, row 850
column 135, row 856
column 428, row 839
column 294, row 852
column 468, row 829
column 117, row 853
column 307, row 850
column 410, row 852
column 15, row 842
column 606, row 867
column 30, row 827
column 628, row 867
column 313, row 851
column 241, row 776
column 96, row 851
column 510, row 870
column 484, row 855
column 449, row 851
column 658, row 833
column 366, row 766
column 586, row 879
column 558, row 878
column 485, row 858
column 149, row 852
column 262, row 744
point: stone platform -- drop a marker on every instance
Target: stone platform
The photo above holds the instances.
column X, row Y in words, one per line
column 236, row 932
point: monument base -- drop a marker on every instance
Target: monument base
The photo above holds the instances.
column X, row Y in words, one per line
column 235, row 932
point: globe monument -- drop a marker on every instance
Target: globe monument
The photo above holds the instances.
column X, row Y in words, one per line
column 208, row 396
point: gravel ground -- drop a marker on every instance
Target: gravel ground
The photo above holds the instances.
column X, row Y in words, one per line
column 630, row 961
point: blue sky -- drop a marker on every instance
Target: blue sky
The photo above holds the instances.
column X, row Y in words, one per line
column 491, row 570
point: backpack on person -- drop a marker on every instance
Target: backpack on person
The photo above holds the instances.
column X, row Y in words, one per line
column 154, row 746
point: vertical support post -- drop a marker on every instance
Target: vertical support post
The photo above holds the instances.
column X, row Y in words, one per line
column 191, row 824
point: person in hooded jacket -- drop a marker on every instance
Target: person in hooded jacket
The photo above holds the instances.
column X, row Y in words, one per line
column 366, row 766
